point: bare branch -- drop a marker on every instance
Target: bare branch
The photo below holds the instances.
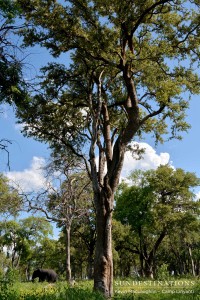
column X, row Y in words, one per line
column 4, row 146
column 153, row 114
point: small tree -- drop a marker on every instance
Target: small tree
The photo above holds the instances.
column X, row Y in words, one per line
column 64, row 204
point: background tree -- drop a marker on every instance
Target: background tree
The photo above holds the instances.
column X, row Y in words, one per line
column 84, row 230
column 64, row 204
column 180, row 250
column 19, row 240
column 10, row 200
column 132, row 67
column 124, row 256
column 48, row 254
column 161, row 201
column 79, row 256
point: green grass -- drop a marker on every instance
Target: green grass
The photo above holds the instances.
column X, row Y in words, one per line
column 124, row 290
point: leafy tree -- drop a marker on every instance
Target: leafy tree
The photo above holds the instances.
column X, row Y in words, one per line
column 49, row 254
column 180, row 250
column 132, row 71
column 160, row 203
column 20, row 238
column 10, row 200
column 79, row 256
column 123, row 258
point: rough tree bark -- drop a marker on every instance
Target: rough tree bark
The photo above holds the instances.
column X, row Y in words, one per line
column 103, row 266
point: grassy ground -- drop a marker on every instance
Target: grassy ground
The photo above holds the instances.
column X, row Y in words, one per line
column 183, row 289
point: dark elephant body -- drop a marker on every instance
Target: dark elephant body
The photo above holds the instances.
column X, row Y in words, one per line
column 45, row 275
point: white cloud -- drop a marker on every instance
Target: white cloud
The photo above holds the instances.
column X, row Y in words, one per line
column 198, row 195
column 31, row 179
column 150, row 160
column 19, row 127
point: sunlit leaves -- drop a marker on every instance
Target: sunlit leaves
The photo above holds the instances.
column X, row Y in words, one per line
column 10, row 200
column 159, row 198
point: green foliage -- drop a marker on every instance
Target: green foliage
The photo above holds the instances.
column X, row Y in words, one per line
column 9, row 9
column 40, row 291
column 10, row 201
column 162, row 272
column 12, row 85
column 49, row 254
column 160, row 203
column 163, row 197
column 20, row 241
column 12, row 275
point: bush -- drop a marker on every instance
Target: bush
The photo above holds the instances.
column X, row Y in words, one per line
column 163, row 273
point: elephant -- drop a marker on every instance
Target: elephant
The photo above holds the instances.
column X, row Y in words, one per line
column 45, row 275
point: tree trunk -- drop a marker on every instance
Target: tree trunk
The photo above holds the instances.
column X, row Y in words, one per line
column 148, row 269
column 68, row 255
column 103, row 262
column 90, row 265
column 142, row 273
column 191, row 259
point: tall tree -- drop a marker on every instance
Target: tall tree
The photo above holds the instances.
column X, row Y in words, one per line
column 130, row 64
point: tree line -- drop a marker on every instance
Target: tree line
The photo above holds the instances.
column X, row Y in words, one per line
column 155, row 230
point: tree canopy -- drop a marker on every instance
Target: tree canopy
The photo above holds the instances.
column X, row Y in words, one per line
column 147, row 50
